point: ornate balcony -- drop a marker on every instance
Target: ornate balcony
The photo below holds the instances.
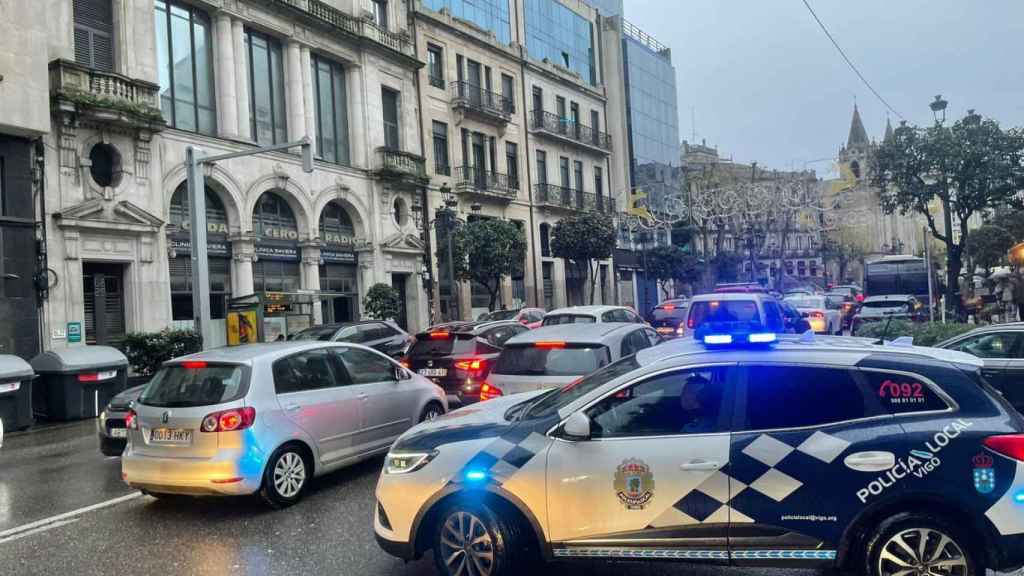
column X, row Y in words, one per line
column 552, row 196
column 481, row 104
column 347, row 24
column 471, row 181
column 400, row 166
column 104, row 97
column 565, row 130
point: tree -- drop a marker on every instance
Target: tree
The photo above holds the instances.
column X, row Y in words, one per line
column 842, row 252
column 382, row 302
column 487, row 250
column 583, row 240
column 669, row 264
column 988, row 246
column 965, row 169
column 724, row 266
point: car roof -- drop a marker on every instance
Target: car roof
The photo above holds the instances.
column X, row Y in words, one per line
column 594, row 310
column 731, row 296
column 576, row 333
column 828, row 350
column 246, row 353
column 468, row 326
column 337, row 325
column 991, row 328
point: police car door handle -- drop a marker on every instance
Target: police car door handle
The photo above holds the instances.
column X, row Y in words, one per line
column 700, row 464
column 292, row 407
column 870, row 461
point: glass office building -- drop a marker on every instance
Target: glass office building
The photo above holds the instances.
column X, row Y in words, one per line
column 491, row 15
column 563, row 37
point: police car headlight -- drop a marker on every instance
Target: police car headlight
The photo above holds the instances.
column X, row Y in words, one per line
column 405, row 462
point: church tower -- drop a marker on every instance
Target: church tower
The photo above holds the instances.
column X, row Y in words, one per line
column 858, row 147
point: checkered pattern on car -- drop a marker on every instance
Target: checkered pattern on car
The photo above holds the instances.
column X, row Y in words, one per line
column 505, row 455
column 765, row 471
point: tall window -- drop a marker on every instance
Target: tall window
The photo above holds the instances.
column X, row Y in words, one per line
column 563, row 172
column 577, row 168
column 598, row 181
column 273, row 218
column 508, row 91
column 538, row 98
column 185, row 61
column 554, row 31
column 380, row 13
column 441, row 163
column 266, row 88
column 389, row 99
column 94, row 33
column 512, row 163
column 331, row 111
column 542, row 167
column 435, row 65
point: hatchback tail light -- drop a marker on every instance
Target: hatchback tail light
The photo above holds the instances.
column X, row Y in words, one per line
column 471, row 365
column 681, row 330
column 1010, row 445
column 131, row 420
column 487, row 391
column 229, row 420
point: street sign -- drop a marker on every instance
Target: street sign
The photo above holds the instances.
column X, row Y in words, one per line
column 74, row 332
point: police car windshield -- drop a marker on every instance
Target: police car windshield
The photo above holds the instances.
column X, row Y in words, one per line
column 551, row 403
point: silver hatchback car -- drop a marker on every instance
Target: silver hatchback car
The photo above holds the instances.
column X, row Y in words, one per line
column 267, row 418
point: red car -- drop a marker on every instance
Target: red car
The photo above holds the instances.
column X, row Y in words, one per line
column 529, row 317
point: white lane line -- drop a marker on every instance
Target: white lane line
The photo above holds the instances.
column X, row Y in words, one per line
column 59, row 517
column 39, row 529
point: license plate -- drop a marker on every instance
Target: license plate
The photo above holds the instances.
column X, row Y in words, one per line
column 664, row 330
column 433, row 372
column 10, row 387
column 118, row 432
column 170, row 436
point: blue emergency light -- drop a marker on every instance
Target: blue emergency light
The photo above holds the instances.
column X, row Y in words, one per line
column 734, row 334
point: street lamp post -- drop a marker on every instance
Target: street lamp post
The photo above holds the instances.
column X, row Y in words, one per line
column 938, row 107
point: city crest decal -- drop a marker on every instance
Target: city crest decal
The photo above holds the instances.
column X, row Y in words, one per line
column 984, row 475
column 634, row 484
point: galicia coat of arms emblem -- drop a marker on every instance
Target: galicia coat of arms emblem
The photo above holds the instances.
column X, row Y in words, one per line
column 984, row 474
column 634, row 484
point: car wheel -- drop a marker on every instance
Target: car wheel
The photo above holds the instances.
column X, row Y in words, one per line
column 431, row 411
column 472, row 540
column 913, row 543
column 286, row 476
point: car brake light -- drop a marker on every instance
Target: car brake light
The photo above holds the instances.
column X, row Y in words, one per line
column 487, row 392
column 193, row 364
column 438, row 335
column 668, row 307
column 131, row 420
column 549, row 344
column 405, row 363
column 471, row 365
column 229, row 420
column 93, row 377
column 1010, row 445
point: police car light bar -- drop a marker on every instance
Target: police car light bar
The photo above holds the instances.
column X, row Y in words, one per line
column 718, row 339
column 762, row 338
column 734, row 333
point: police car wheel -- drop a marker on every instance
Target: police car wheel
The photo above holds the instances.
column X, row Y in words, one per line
column 471, row 540
column 912, row 544
column 286, row 476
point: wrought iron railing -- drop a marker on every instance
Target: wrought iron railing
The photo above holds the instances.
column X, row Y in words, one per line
column 471, row 179
column 481, row 99
column 565, row 127
column 400, row 163
column 563, row 197
column 350, row 24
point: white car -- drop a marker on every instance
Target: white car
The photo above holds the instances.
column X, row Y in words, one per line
column 823, row 313
column 591, row 315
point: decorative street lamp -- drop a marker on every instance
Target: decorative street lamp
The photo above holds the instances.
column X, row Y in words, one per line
column 938, row 106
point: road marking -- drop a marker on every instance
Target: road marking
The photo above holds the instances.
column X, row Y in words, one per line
column 39, row 529
column 45, row 522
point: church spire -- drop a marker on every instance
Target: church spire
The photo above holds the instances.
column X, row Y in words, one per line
column 888, row 130
column 858, row 135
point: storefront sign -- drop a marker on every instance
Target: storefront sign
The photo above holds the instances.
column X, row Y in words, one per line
column 342, row 241
column 74, row 332
column 279, row 233
column 211, row 227
column 277, row 251
column 335, row 257
column 182, row 244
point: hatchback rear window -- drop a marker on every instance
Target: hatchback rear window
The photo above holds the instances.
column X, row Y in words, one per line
column 723, row 311
column 427, row 345
column 195, row 384
column 677, row 313
column 537, row 361
column 568, row 319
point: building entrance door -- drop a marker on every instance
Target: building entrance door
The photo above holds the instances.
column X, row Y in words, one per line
column 103, row 287
column 398, row 283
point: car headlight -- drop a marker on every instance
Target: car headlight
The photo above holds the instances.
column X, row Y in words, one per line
column 405, row 462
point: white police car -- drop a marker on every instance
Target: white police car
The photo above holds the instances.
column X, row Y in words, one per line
column 883, row 459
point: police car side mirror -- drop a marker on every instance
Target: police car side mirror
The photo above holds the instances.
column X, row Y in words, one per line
column 577, row 427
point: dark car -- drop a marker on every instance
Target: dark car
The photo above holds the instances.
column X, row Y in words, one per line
column 110, row 426
column 881, row 308
column 669, row 318
column 847, row 303
column 383, row 336
column 851, row 290
column 794, row 321
column 458, row 356
column 1001, row 348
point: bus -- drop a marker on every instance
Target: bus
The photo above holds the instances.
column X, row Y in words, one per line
column 897, row 275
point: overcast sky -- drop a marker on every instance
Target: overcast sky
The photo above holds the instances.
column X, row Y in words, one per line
column 766, row 85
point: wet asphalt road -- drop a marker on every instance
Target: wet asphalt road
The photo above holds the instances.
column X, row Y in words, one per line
column 49, row 472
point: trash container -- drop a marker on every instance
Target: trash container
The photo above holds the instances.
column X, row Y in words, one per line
column 77, row 382
column 15, row 392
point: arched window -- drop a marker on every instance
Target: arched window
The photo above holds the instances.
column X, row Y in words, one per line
column 218, row 250
column 335, row 219
column 273, row 218
column 180, row 215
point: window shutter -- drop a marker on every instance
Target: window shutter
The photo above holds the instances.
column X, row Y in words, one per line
column 94, row 33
